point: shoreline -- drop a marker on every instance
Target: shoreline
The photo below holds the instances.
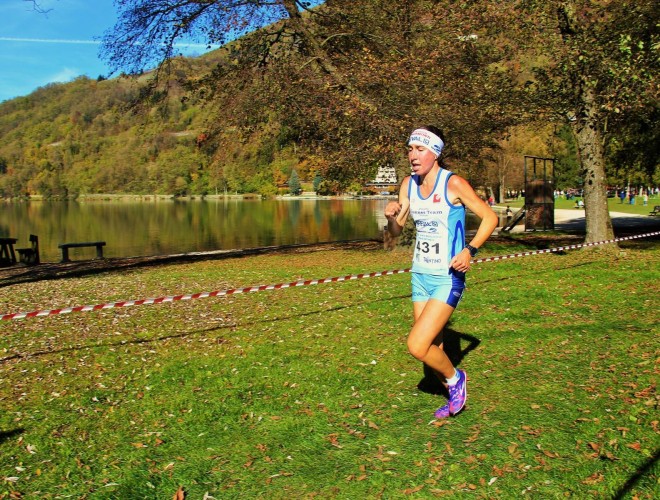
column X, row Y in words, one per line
column 210, row 197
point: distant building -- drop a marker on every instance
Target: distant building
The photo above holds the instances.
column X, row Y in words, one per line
column 385, row 180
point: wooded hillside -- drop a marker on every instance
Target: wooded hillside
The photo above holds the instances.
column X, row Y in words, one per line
column 333, row 94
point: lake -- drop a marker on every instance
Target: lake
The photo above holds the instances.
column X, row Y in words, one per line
column 161, row 227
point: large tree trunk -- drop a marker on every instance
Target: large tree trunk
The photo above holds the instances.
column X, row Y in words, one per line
column 590, row 148
column 587, row 130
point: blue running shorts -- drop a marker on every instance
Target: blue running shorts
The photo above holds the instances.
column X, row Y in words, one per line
column 447, row 289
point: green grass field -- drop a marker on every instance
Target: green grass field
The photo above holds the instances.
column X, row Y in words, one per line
column 309, row 392
column 614, row 205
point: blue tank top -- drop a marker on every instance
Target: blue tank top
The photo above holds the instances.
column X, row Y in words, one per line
column 440, row 227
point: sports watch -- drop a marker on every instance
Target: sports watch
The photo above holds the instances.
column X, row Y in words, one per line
column 473, row 250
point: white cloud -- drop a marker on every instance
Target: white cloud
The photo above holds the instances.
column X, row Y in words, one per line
column 185, row 45
column 64, row 75
column 45, row 40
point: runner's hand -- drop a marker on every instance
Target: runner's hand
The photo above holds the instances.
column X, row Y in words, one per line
column 392, row 210
column 461, row 261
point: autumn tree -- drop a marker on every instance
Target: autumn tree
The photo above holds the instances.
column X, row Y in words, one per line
column 633, row 152
column 595, row 66
column 508, row 157
column 348, row 79
column 148, row 30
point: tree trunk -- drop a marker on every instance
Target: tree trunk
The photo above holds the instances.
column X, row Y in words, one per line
column 590, row 150
column 587, row 130
column 501, row 179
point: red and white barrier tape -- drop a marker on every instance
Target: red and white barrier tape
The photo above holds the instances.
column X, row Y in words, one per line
column 567, row 247
column 261, row 288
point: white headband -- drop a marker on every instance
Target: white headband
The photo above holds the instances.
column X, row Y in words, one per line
column 422, row 137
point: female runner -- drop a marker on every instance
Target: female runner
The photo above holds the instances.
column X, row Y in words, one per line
column 436, row 199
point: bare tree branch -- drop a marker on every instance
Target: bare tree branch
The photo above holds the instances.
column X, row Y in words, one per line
column 36, row 7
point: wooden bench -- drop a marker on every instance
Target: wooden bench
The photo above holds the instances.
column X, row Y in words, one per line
column 7, row 255
column 656, row 210
column 65, row 248
column 30, row 256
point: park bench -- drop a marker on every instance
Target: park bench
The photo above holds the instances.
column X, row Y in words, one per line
column 30, row 256
column 65, row 248
column 7, row 255
column 656, row 210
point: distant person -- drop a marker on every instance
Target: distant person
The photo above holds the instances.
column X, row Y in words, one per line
column 632, row 197
column 622, row 195
column 646, row 199
column 436, row 199
column 509, row 212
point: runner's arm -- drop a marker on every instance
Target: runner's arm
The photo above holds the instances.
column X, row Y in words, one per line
column 397, row 212
column 461, row 191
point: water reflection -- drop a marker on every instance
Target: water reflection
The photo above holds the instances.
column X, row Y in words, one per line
column 133, row 228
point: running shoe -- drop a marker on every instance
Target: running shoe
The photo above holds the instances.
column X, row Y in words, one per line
column 458, row 393
column 442, row 412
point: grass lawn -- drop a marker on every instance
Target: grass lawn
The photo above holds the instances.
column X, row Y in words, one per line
column 614, row 205
column 309, row 391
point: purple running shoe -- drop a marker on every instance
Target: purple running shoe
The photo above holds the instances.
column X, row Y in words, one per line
column 442, row 412
column 458, row 393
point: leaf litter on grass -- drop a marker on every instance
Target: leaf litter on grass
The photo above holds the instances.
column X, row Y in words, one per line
column 285, row 381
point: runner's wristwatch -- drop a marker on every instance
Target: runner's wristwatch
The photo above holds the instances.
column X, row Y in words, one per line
column 473, row 250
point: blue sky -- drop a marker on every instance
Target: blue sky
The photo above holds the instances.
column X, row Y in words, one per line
column 37, row 49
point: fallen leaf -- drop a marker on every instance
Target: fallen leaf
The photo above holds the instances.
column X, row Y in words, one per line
column 410, row 491
column 596, row 477
column 180, row 494
column 439, row 423
column 334, row 441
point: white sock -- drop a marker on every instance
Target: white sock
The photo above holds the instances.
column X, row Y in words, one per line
column 453, row 380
